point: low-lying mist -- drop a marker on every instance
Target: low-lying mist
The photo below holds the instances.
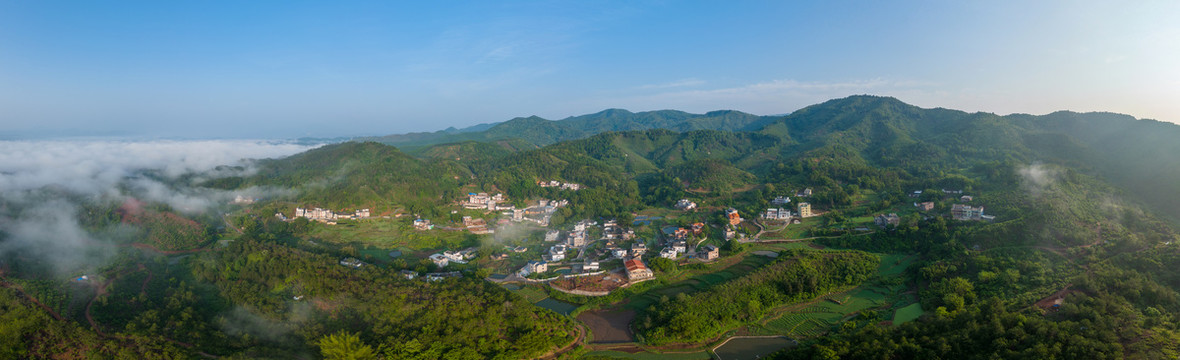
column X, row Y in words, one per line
column 44, row 185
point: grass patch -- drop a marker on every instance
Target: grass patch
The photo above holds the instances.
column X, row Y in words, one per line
column 907, row 314
column 531, row 293
column 388, row 234
column 557, row 306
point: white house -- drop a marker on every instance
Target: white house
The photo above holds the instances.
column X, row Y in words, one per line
column 533, row 267
column 439, row 260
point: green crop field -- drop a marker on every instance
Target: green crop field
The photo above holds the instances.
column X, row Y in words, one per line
column 607, row 354
column 531, row 293
column 388, row 234
column 907, row 314
column 817, row 318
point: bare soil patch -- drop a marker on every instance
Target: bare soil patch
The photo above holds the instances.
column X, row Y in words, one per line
column 609, row 326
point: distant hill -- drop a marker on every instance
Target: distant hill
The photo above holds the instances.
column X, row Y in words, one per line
column 355, row 175
column 841, row 141
column 1137, row 155
column 538, row 131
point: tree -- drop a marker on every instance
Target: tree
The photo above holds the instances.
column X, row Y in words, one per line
column 663, row 264
column 345, row 346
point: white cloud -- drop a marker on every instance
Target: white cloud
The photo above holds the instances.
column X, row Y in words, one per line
column 95, row 167
column 45, row 225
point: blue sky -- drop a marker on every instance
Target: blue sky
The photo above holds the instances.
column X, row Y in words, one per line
column 263, row 69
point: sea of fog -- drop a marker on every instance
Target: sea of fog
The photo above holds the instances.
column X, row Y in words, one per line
column 44, row 182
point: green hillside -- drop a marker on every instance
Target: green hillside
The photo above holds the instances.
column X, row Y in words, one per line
column 1078, row 262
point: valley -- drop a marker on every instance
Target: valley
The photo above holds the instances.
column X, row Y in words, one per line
column 862, row 227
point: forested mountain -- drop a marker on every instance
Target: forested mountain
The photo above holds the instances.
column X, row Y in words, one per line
column 1135, row 154
column 539, row 132
column 1083, row 205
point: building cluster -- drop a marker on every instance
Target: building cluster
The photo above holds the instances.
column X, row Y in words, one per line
column 890, row 219
column 676, row 243
column 328, row 216
column 534, row 267
column 560, row 185
column 483, row 201
column 960, row 211
column 709, row 252
column 439, row 276
column 638, row 249
column 685, row 205
column 780, row 214
column 447, row 257
column 539, row 213
column 434, row 276
column 577, row 239
column 733, row 216
column 612, row 231
column 352, row 262
column 969, row 213
column 556, row 253
column 589, row 265
column 803, row 193
column 422, row 224
column 477, row 226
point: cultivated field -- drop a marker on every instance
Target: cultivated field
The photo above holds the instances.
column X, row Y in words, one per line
column 609, row 326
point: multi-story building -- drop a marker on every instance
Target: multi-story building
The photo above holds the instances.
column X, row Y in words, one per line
column 637, row 270
column 709, row 252
column 966, row 212
column 777, row 214
column 805, row 210
column 733, row 216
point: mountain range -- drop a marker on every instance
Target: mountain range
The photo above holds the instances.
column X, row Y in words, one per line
column 1136, row 154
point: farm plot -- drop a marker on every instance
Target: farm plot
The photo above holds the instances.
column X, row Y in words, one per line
column 530, row 293
column 907, row 314
column 609, row 326
column 817, row 318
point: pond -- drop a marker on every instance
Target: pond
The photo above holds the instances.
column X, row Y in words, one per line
column 751, row 348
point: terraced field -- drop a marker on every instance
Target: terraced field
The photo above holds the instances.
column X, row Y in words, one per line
column 817, row 318
column 824, row 314
column 700, row 282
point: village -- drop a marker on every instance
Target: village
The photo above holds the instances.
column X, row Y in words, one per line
column 595, row 257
